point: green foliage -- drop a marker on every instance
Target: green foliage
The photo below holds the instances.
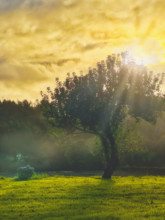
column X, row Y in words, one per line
column 57, row 149
column 23, row 130
column 71, row 152
column 138, row 159
column 99, row 101
column 96, row 103
column 54, row 152
column 2, row 178
column 20, row 116
column 25, row 173
column 141, row 143
column 62, row 197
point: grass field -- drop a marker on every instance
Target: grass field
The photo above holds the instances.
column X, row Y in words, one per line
column 62, row 197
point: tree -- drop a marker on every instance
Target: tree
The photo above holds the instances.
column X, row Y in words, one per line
column 20, row 116
column 99, row 101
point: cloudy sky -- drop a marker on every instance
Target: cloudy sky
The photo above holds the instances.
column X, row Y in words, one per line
column 43, row 39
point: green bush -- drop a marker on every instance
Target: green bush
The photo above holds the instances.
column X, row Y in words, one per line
column 25, row 173
column 2, row 178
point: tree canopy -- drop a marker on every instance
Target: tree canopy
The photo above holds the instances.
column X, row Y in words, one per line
column 99, row 101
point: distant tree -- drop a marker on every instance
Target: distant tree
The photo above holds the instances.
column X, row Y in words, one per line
column 19, row 116
column 99, row 101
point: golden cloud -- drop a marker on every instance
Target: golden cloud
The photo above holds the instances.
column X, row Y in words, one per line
column 42, row 39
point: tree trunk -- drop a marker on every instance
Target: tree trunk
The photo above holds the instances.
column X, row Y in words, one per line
column 111, row 156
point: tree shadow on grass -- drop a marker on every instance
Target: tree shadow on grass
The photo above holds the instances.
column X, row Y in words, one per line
column 84, row 201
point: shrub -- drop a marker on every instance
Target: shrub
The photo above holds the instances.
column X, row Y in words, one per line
column 2, row 177
column 24, row 173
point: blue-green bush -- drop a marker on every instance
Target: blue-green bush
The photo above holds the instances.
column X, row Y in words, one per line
column 25, row 173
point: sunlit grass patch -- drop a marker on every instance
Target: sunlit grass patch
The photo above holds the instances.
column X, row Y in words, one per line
column 61, row 197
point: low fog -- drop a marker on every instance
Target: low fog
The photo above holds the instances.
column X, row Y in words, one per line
column 27, row 138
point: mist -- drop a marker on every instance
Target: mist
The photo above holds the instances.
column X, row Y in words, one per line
column 28, row 138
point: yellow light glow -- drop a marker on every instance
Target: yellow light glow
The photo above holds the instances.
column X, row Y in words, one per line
column 41, row 40
column 146, row 51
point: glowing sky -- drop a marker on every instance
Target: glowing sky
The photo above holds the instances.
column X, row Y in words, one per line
column 43, row 39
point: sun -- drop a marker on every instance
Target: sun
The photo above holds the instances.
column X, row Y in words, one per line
column 145, row 51
column 145, row 60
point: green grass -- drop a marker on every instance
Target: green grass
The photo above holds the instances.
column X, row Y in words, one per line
column 34, row 177
column 63, row 197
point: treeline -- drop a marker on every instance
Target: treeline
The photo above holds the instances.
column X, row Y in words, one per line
column 26, row 137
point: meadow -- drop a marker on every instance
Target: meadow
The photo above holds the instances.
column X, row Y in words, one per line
column 68, row 197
